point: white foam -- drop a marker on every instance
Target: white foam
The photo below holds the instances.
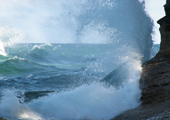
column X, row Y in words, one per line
column 11, row 108
column 2, row 49
column 58, row 21
column 94, row 101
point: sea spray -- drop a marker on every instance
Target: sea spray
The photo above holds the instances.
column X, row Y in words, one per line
column 86, row 21
column 88, row 101
column 104, row 36
column 94, row 101
column 12, row 109
column 2, row 49
column 9, row 36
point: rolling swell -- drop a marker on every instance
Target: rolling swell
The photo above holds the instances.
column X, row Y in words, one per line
column 20, row 66
column 52, row 54
column 79, row 92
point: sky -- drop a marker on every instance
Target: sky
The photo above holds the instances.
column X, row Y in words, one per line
column 155, row 10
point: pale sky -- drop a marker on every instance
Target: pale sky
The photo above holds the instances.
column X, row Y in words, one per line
column 156, row 11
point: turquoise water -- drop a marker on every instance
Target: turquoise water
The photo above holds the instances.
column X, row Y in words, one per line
column 33, row 66
column 93, row 71
column 39, row 80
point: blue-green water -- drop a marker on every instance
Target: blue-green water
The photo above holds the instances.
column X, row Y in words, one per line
column 96, row 77
column 49, row 67
column 43, row 81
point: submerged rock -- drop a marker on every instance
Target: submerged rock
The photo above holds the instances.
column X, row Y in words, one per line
column 32, row 95
column 2, row 118
column 115, row 78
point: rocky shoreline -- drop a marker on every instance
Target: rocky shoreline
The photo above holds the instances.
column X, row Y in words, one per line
column 155, row 80
column 154, row 111
column 155, row 86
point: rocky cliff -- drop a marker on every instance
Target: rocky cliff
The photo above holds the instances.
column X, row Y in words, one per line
column 155, row 79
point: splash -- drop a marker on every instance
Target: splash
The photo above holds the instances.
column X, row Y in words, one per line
column 122, row 23
column 94, row 101
column 84, row 21
column 2, row 49
column 9, row 36
column 12, row 109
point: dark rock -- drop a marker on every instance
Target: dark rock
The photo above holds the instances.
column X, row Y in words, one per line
column 2, row 118
column 155, row 81
column 115, row 78
column 32, row 95
column 149, row 112
column 155, row 77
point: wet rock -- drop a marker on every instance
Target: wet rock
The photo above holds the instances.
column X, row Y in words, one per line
column 155, row 81
column 155, row 78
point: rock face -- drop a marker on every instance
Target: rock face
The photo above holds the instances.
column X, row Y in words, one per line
column 165, row 29
column 155, row 81
column 155, row 78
